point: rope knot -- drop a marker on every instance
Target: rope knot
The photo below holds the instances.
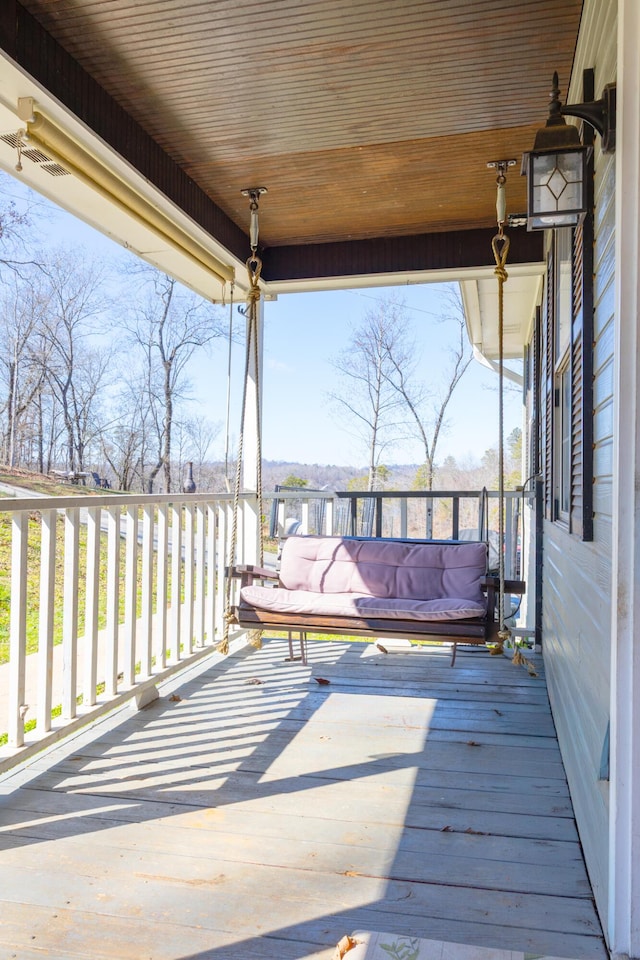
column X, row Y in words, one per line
column 254, row 269
column 500, row 247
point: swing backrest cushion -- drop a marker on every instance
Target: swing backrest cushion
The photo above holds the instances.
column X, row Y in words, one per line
column 386, row 569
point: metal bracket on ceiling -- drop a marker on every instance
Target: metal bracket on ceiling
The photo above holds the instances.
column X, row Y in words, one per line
column 254, row 194
column 26, row 109
column 501, row 202
column 501, row 166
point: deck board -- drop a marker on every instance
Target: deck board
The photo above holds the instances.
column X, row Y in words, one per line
column 253, row 812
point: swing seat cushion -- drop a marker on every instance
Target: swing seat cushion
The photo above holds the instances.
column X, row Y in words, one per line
column 310, row 603
column 387, row 579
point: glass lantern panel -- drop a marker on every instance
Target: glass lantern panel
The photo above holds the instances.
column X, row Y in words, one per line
column 556, row 186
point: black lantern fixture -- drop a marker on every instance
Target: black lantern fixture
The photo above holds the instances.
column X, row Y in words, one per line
column 557, row 166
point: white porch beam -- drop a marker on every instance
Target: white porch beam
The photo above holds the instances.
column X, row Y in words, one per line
column 624, row 859
column 251, row 425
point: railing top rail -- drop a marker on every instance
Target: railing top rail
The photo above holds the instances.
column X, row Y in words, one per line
column 303, row 494
column 422, row 494
column 124, row 500
column 40, row 503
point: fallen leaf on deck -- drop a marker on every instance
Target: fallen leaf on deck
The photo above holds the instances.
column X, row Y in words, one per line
column 254, row 680
column 346, row 944
column 322, row 681
column 175, row 698
column 472, row 743
column 447, row 829
column 478, row 833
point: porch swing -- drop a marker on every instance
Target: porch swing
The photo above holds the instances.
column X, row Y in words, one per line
column 384, row 588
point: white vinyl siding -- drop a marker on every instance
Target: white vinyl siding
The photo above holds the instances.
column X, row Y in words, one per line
column 577, row 574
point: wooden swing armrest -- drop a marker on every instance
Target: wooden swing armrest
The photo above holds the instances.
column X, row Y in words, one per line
column 492, row 585
column 249, row 572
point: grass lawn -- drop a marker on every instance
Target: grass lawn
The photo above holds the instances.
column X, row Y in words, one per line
column 33, row 582
column 29, row 482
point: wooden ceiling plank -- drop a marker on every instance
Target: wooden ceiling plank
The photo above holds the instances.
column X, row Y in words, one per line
column 359, row 117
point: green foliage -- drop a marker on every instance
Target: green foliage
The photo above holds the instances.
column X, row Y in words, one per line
column 404, row 948
column 420, row 481
column 514, row 444
column 382, row 477
column 358, row 483
column 293, row 481
column 33, row 581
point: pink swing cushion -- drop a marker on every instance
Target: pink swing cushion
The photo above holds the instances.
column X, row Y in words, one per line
column 394, row 580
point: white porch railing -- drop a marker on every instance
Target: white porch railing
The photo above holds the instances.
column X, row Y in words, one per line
column 110, row 595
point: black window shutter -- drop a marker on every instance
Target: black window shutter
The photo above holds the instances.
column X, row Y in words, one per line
column 582, row 383
column 547, row 393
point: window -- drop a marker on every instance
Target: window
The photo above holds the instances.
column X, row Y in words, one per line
column 563, row 402
column 561, row 332
column 562, row 443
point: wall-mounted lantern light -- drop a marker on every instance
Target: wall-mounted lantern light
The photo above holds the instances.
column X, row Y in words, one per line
column 556, row 167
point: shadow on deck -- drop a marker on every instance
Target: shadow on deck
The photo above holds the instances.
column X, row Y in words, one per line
column 256, row 813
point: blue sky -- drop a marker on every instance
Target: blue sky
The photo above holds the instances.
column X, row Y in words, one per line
column 303, row 333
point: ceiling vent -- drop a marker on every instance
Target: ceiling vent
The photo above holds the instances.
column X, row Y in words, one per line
column 36, row 156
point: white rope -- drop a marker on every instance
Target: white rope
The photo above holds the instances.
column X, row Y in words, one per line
column 228, row 411
column 254, row 266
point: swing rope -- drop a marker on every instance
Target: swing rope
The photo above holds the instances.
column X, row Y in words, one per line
column 500, row 247
column 254, row 268
column 227, row 428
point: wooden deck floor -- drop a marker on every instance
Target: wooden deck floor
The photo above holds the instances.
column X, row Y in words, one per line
column 258, row 814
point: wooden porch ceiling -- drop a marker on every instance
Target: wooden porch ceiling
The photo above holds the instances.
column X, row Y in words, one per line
column 367, row 121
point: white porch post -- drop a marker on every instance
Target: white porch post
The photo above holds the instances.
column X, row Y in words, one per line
column 624, row 811
column 251, row 527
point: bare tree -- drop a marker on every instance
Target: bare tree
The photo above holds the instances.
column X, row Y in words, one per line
column 427, row 406
column 369, row 398
column 21, row 314
column 388, row 395
column 200, row 433
column 75, row 370
column 22, row 213
column 169, row 328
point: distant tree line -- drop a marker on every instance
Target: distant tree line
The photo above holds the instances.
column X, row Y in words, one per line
column 467, row 473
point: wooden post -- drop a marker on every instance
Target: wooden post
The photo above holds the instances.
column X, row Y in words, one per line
column 130, row 596
column 113, row 590
column 146, row 612
column 18, row 628
column 187, row 610
column 212, row 570
column 199, row 628
column 162, row 588
column 176, row 582
column 46, row 614
column 70, row 614
column 90, row 678
column 251, row 427
column 624, row 791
